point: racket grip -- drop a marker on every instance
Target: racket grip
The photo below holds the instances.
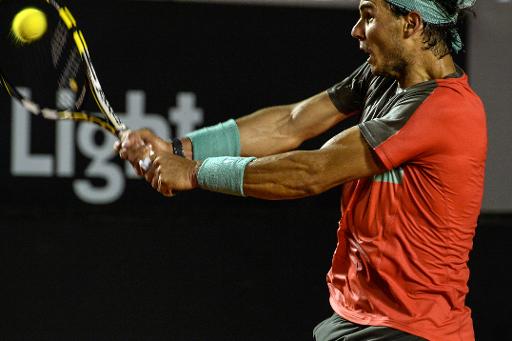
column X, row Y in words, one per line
column 145, row 164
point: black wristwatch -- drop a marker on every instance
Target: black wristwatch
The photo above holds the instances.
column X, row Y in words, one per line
column 177, row 147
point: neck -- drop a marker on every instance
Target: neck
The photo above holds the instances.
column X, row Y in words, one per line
column 425, row 67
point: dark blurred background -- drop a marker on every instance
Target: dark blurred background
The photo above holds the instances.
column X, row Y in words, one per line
column 89, row 252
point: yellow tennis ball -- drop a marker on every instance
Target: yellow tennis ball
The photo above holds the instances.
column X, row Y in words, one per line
column 29, row 25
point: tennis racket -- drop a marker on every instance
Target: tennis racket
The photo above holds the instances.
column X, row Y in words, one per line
column 56, row 68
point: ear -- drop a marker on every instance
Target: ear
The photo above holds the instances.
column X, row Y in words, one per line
column 412, row 24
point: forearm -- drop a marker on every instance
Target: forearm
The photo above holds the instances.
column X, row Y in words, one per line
column 268, row 131
column 289, row 175
column 300, row 174
column 262, row 133
column 271, row 130
column 283, row 128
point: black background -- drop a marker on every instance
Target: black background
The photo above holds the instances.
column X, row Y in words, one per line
column 200, row 266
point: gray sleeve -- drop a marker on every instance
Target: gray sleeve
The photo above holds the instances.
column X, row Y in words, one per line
column 378, row 130
column 349, row 95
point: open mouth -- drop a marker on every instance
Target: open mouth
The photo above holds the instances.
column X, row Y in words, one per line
column 365, row 49
column 370, row 57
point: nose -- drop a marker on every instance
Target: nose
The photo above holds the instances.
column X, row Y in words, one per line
column 358, row 30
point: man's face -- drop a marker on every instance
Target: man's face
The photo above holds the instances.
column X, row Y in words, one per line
column 380, row 35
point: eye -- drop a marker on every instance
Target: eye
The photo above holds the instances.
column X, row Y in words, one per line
column 368, row 18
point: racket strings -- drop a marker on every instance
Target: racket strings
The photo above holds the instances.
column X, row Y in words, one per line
column 67, row 76
column 66, row 60
column 53, row 71
column 58, row 42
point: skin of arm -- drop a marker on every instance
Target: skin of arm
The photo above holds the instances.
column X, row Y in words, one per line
column 268, row 134
column 283, row 128
column 297, row 174
column 288, row 175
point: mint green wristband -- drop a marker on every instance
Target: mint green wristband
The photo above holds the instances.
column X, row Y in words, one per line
column 223, row 174
column 222, row 139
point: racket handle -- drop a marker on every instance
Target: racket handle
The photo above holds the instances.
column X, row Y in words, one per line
column 145, row 164
column 120, row 131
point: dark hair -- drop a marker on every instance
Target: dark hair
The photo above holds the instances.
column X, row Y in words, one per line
column 438, row 37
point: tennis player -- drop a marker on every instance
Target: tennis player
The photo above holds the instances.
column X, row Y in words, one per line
column 412, row 172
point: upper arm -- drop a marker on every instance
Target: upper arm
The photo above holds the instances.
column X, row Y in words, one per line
column 317, row 114
column 314, row 116
column 352, row 157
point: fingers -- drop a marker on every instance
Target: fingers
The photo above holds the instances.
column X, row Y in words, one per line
column 155, row 178
column 128, row 139
column 149, row 174
column 143, row 160
column 139, row 157
column 131, row 147
column 136, row 147
column 145, row 163
column 117, row 146
column 122, row 136
column 147, row 135
column 166, row 192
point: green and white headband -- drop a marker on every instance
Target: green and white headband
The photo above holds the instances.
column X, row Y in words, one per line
column 433, row 13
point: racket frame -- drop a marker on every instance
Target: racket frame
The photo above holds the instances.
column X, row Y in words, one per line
column 110, row 121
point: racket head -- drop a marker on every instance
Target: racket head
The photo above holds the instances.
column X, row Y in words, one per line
column 57, row 68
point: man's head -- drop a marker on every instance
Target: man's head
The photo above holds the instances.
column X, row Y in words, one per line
column 396, row 32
